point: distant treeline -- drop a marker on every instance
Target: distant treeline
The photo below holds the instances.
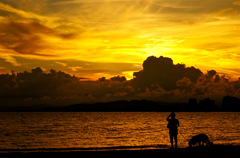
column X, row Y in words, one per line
column 228, row 104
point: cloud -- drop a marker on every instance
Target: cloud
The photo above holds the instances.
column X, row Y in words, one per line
column 75, row 68
column 163, row 81
column 23, row 38
column 127, row 25
column 66, row 2
column 106, row 38
column 160, row 79
column 61, row 63
column 80, row 68
column 162, row 71
column 28, row 38
column 118, row 78
column 19, row 14
column 11, row 60
column 236, row 3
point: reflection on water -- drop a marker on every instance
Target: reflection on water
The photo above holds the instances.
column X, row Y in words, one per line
column 111, row 129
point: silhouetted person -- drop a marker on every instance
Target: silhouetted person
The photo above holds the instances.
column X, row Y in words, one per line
column 173, row 128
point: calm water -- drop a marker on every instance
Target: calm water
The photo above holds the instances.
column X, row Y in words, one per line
column 111, row 129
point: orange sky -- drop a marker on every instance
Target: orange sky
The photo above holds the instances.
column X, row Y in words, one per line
column 95, row 38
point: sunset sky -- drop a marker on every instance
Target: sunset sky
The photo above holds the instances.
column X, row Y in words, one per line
column 96, row 38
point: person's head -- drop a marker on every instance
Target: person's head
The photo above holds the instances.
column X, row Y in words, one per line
column 173, row 115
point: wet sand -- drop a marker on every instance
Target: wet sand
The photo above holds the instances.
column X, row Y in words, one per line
column 114, row 151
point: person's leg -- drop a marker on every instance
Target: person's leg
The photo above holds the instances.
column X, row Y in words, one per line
column 171, row 139
column 175, row 138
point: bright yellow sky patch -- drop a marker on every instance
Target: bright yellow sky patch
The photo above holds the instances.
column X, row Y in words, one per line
column 199, row 33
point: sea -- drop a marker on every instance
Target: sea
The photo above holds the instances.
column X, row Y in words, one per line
column 111, row 130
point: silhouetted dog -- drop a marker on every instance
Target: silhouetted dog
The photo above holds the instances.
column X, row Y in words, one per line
column 201, row 138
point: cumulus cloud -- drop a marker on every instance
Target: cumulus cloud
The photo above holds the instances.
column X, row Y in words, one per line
column 57, row 87
column 163, row 72
column 113, row 79
column 160, row 80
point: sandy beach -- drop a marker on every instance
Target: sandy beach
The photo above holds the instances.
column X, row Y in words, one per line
column 115, row 151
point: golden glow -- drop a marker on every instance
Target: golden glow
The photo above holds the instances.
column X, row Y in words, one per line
column 204, row 34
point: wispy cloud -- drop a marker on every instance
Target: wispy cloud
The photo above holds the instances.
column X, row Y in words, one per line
column 28, row 38
column 11, row 60
column 237, row 2
column 64, row 2
column 26, row 16
column 121, row 31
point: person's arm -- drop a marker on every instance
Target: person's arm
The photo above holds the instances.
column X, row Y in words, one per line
column 168, row 117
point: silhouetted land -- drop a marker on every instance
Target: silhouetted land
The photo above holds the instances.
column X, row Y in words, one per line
column 228, row 104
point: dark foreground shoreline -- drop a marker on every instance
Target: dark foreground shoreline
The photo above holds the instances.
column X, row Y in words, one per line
column 115, row 151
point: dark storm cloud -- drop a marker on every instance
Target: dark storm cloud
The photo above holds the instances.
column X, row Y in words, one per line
column 56, row 87
column 160, row 80
column 162, row 71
